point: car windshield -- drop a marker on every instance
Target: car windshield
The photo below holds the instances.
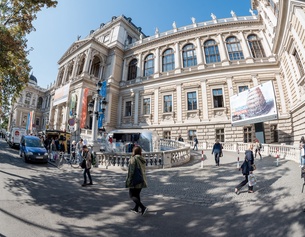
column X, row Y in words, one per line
column 33, row 143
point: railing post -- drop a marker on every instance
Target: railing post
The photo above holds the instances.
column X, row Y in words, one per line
column 167, row 160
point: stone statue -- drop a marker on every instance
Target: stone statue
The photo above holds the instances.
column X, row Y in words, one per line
column 251, row 11
column 233, row 13
column 213, row 16
column 157, row 31
column 193, row 20
column 141, row 36
column 174, row 25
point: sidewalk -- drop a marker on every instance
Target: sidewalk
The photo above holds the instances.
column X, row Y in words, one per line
column 195, row 201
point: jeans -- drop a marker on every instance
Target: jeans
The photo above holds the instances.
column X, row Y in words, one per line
column 243, row 183
column 302, row 160
column 217, row 155
column 87, row 172
column 134, row 194
column 195, row 146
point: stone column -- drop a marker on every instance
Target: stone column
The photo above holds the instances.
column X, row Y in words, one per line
column 139, row 65
column 205, row 111
column 223, row 51
column 179, row 103
column 177, row 59
column 245, row 48
column 292, row 64
column 136, row 108
column 199, row 51
column 265, row 44
column 157, row 63
column 125, row 70
column 156, row 107
column 281, row 93
column 88, row 61
column 300, row 49
column 119, row 111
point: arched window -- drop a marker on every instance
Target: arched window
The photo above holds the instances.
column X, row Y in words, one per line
column 234, row 49
column 168, row 60
column 211, row 51
column 149, row 65
column 132, row 69
column 39, row 103
column 256, row 47
column 189, row 55
column 95, row 68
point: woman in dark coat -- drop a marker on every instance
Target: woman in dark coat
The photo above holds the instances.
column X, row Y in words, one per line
column 134, row 190
column 217, row 150
column 246, row 169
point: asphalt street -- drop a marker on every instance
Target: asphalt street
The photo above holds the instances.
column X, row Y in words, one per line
column 196, row 199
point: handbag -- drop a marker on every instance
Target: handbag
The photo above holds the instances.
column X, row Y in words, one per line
column 137, row 177
column 83, row 164
column 252, row 179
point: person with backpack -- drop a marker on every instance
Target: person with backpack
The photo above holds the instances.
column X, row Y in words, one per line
column 87, row 158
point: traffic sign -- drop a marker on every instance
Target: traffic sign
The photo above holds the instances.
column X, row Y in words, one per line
column 71, row 121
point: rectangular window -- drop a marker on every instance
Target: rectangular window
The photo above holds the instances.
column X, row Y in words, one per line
column 247, row 134
column 191, row 101
column 128, row 108
column 167, row 135
column 220, row 134
column 242, row 88
column 217, row 98
column 299, row 63
column 146, row 106
column 191, row 134
column 168, row 103
column 37, row 122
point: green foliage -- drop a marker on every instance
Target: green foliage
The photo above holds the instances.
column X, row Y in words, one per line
column 16, row 17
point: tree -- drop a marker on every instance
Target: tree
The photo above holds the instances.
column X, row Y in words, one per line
column 16, row 17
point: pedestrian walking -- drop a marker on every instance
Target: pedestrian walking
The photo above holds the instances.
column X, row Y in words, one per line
column 136, row 163
column 86, row 172
column 217, row 150
column 258, row 147
column 53, row 149
column 79, row 146
column 302, row 151
column 195, row 143
column 180, row 139
column 246, row 168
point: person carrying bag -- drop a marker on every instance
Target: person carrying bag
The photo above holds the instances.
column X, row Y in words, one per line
column 136, row 179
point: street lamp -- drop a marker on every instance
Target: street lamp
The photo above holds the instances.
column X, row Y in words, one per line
column 99, row 108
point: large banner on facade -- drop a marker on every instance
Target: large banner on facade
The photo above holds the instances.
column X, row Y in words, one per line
column 61, row 94
column 103, row 94
column 255, row 105
column 84, row 108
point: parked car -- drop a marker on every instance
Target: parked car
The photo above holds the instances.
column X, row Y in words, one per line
column 32, row 149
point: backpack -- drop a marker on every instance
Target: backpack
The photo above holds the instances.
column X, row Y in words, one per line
column 93, row 160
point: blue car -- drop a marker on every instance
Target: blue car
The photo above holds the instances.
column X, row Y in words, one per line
column 32, row 149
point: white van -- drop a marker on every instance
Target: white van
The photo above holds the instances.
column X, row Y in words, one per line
column 15, row 137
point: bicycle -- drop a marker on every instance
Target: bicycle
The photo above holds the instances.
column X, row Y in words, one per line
column 74, row 160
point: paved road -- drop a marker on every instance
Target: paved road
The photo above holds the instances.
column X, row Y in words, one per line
column 183, row 201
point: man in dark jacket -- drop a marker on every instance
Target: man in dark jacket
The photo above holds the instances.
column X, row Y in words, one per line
column 246, row 168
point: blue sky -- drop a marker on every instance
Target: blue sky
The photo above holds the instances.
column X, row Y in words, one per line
column 57, row 28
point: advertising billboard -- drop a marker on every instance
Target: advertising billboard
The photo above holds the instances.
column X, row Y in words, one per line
column 61, row 94
column 255, row 105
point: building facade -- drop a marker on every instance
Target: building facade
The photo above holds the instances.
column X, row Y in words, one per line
column 180, row 81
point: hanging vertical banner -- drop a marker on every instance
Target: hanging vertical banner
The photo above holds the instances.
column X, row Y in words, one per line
column 72, row 105
column 84, row 108
column 102, row 94
column 28, row 122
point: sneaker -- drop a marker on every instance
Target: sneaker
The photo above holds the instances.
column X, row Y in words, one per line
column 134, row 210
column 144, row 211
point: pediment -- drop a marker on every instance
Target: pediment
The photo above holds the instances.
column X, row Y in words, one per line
column 73, row 48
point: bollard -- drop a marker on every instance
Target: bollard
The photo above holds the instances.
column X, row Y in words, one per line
column 238, row 159
column 277, row 157
column 202, row 159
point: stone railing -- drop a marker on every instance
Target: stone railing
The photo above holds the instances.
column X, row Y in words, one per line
column 173, row 153
column 288, row 152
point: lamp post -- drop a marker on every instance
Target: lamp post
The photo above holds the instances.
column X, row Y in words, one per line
column 99, row 108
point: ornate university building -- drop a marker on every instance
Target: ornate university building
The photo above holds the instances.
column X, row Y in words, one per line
column 180, row 81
